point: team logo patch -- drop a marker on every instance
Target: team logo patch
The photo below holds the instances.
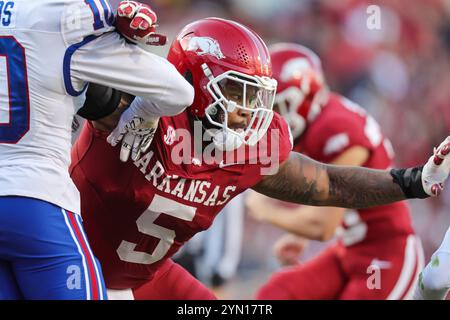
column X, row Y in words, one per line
column 205, row 45
column 169, row 137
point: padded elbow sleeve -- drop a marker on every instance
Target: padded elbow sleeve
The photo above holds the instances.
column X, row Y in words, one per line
column 101, row 101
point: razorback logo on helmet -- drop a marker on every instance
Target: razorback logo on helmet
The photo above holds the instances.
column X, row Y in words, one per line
column 205, row 45
column 294, row 68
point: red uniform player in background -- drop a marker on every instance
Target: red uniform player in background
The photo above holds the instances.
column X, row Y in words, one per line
column 373, row 242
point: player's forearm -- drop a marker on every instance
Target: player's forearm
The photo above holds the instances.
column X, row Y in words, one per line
column 313, row 223
column 291, row 220
column 303, row 180
column 317, row 223
column 356, row 187
column 110, row 121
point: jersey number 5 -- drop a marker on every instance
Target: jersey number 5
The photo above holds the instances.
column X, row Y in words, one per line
column 15, row 101
column 146, row 225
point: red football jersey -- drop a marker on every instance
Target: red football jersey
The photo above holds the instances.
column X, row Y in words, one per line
column 138, row 214
column 342, row 124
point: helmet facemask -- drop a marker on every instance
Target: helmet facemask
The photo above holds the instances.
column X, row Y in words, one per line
column 252, row 97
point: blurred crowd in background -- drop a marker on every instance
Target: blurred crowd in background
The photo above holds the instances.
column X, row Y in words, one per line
column 400, row 73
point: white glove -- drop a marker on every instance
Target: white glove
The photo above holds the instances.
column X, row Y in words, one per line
column 135, row 132
column 437, row 169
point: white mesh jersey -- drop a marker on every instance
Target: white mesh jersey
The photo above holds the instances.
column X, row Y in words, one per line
column 49, row 51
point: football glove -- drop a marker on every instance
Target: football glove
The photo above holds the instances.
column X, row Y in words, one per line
column 428, row 180
column 437, row 169
column 137, row 22
column 135, row 133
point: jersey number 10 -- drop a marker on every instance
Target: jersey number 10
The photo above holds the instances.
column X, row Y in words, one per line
column 107, row 13
column 15, row 104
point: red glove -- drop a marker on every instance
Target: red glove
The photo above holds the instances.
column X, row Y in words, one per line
column 137, row 22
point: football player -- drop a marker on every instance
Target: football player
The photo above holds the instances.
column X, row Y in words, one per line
column 137, row 215
column 49, row 51
column 329, row 128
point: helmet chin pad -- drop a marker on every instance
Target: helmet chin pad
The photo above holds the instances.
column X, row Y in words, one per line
column 224, row 141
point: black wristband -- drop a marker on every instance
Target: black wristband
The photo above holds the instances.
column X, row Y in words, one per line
column 100, row 102
column 410, row 180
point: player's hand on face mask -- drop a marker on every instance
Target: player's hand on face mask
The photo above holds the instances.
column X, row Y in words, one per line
column 437, row 169
column 137, row 22
column 135, row 133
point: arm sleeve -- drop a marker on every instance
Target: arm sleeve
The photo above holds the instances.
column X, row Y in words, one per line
column 110, row 61
column 101, row 101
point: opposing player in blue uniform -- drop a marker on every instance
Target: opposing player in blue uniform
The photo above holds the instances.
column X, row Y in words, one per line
column 49, row 51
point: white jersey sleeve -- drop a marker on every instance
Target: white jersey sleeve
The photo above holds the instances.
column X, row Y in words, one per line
column 109, row 60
